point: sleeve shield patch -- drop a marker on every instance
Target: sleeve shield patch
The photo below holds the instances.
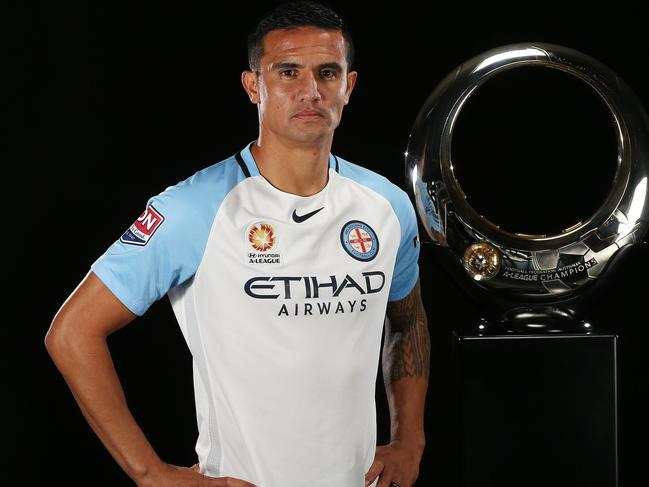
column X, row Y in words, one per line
column 143, row 228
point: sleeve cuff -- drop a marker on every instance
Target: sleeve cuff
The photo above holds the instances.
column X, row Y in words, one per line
column 118, row 290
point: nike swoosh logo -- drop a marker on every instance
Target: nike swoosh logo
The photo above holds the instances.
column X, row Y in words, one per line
column 300, row 218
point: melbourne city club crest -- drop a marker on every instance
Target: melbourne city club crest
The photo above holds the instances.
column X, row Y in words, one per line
column 263, row 239
column 359, row 240
column 144, row 227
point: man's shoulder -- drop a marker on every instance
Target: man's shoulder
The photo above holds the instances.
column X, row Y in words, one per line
column 360, row 173
column 219, row 176
column 376, row 182
column 204, row 188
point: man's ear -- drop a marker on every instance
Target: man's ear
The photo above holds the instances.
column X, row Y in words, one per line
column 351, row 82
column 249, row 80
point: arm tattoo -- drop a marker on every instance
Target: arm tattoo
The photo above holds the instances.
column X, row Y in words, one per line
column 406, row 349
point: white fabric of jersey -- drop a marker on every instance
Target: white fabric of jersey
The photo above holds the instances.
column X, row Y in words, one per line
column 282, row 311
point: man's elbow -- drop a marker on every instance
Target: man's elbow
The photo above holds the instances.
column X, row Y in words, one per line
column 57, row 339
column 64, row 340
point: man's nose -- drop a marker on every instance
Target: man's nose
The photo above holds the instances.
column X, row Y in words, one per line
column 309, row 89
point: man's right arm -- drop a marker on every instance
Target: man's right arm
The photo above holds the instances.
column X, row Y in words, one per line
column 77, row 343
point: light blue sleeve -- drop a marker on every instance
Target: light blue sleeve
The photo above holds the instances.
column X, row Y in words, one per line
column 139, row 271
column 406, row 267
column 165, row 245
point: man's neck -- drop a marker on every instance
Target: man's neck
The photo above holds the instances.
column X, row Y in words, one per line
column 298, row 169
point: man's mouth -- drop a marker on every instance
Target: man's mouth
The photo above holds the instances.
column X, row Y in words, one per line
column 308, row 115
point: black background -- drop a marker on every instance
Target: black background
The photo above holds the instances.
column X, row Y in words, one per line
column 120, row 101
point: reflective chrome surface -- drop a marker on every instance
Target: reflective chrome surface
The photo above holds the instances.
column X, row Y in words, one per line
column 530, row 266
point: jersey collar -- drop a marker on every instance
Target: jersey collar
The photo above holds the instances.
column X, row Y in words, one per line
column 249, row 166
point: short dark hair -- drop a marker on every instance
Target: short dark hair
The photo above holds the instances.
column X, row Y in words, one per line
column 292, row 15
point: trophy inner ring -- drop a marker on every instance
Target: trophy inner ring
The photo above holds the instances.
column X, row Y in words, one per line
column 544, row 165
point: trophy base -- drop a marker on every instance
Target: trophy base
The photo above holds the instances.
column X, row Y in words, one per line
column 537, row 409
column 525, row 320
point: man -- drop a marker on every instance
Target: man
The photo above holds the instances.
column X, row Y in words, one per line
column 280, row 263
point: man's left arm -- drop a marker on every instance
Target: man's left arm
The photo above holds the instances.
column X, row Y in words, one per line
column 406, row 362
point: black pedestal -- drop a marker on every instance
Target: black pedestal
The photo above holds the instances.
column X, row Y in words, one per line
column 538, row 410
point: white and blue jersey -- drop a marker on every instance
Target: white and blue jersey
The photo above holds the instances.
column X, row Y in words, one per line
column 281, row 299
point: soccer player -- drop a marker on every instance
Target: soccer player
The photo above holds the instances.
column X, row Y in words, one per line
column 281, row 264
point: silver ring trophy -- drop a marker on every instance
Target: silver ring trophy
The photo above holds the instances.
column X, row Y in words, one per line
column 529, row 273
column 536, row 380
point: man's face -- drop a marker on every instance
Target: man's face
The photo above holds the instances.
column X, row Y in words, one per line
column 303, row 84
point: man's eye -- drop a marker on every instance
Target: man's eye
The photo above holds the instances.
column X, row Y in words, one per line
column 328, row 74
column 287, row 72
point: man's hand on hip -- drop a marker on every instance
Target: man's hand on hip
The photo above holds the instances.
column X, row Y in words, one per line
column 172, row 475
column 396, row 462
